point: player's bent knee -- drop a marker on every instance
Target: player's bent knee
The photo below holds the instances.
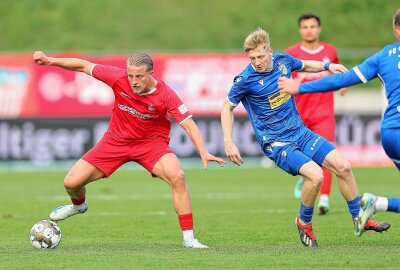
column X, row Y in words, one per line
column 344, row 168
column 178, row 178
column 71, row 183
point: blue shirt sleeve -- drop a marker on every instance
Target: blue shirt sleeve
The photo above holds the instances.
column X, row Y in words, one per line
column 332, row 82
column 238, row 91
column 368, row 69
column 296, row 63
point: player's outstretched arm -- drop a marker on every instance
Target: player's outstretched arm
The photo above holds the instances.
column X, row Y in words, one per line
column 74, row 64
column 194, row 134
column 231, row 150
column 317, row 66
column 326, row 84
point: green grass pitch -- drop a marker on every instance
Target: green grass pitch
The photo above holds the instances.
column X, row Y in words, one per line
column 246, row 216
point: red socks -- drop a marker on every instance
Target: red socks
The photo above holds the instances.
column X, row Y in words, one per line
column 186, row 221
column 78, row 201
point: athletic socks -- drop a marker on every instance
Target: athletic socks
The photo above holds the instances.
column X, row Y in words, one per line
column 306, row 213
column 354, row 207
column 393, row 205
column 78, row 202
column 186, row 223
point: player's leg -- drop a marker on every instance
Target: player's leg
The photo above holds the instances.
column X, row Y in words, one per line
column 81, row 174
column 371, row 203
column 348, row 187
column 326, row 128
column 290, row 159
column 169, row 169
column 101, row 161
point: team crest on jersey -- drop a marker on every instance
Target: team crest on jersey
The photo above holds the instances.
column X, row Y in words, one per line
column 151, row 108
column 282, row 68
column 261, row 81
column 237, row 79
column 277, row 99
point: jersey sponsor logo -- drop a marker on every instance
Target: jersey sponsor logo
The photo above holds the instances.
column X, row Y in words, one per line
column 126, row 95
column 261, row 81
column 277, row 99
column 136, row 113
column 282, row 68
column 183, row 109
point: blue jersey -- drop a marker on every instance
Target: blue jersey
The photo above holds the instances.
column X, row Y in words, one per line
column 273, row 114
column 385, row 65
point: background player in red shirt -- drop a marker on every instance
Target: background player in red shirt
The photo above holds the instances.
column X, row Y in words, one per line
column 138, row 131
column 316, row 110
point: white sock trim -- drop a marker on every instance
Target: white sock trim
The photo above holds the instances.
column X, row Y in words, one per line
column 381, row 204
column 188, row 235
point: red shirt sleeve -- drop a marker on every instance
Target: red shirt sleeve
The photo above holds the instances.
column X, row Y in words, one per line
column 107, row 74
column 176, row 108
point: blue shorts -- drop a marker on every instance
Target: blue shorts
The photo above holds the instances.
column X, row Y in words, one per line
column 391, row 144
column 291, row 156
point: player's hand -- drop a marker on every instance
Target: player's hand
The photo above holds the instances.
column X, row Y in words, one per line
column 289, row 86
column 208, row 157
column 233, row 154
column 41, row 58
column 337, row 68
column 342, row 91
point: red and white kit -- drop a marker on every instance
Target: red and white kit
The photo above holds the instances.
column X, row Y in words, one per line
column 139, row 127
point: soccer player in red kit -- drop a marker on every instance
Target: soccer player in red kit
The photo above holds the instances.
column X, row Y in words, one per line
column 316, row 110
column 138, row 131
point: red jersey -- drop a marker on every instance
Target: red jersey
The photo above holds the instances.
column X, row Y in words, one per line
column 140, row 116
column 314, row 105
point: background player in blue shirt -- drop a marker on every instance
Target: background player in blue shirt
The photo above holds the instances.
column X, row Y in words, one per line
column 281, row 133
column 384, row 64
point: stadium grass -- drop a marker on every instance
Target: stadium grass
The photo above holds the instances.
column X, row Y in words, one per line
column 246, row 216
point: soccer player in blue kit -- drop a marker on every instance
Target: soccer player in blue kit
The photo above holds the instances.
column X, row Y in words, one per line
column 281, row 133
column 384, row 64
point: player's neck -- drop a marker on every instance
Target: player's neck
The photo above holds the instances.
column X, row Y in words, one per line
column 311, row 45
column 152, row 85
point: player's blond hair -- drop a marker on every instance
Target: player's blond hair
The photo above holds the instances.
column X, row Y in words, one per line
column 255, row 38
column 140, row 59
column 396, row 19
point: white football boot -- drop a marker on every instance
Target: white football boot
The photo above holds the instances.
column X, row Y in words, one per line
column 367, row 210
column 193, row 243
column 66, row 211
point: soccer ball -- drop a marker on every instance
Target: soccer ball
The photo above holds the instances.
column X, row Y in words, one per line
column 45, row 234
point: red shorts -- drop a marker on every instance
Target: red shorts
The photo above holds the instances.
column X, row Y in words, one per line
column 109, row 154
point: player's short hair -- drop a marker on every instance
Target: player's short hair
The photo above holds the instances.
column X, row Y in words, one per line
column 140, row 59
column 309, row 16
column 255, row 38
column 396, row 19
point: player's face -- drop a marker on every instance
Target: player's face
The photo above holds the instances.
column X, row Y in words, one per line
column 139, row 79
column 310, row 30
column 261, row 58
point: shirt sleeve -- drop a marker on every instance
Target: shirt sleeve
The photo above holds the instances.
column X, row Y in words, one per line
column 368, row 69
column 296, row 63
column 330, row 83
column 237, row 92
column 106, row 74
column 176, row 108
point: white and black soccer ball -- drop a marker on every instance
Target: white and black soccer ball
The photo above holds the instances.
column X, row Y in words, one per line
column 45, row 234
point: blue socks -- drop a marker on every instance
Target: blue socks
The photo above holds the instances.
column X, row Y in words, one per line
column 394, row 205
column 306, row 213
column 354, row 207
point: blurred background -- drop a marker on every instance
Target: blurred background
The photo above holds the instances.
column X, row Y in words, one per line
column 50, row 117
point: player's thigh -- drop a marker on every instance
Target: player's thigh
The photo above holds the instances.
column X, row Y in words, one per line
column 336, row 163
column 169, row 169
column 326, row 127
column 81, row 174
column 391, row 144
column 311, row 170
